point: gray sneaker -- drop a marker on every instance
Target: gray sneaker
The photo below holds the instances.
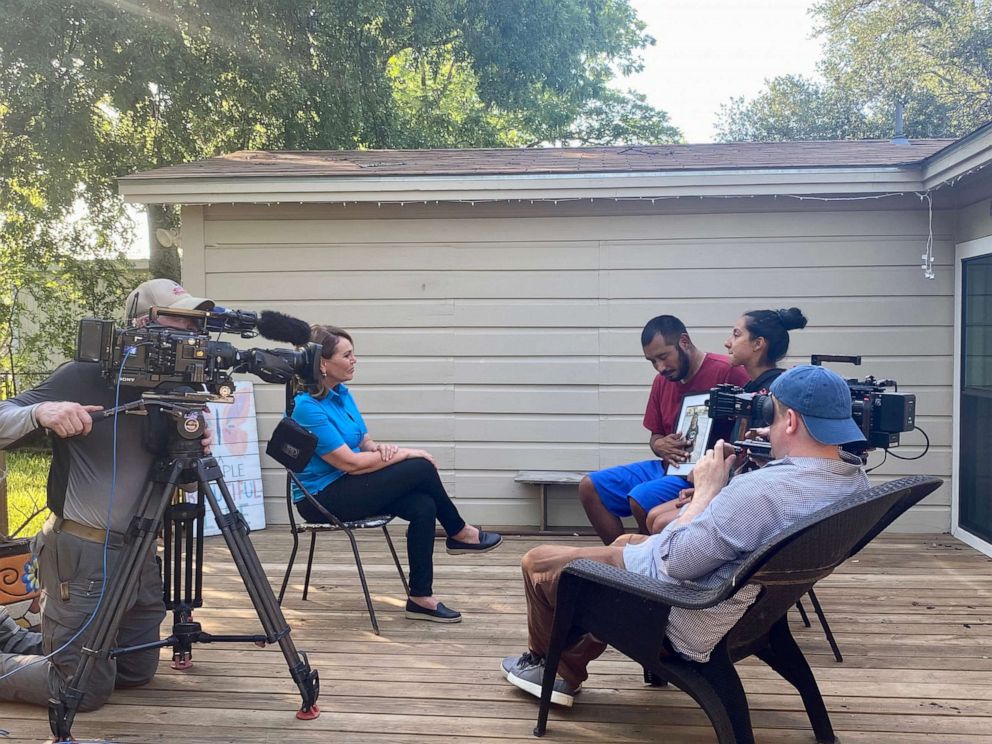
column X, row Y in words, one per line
column 525, row 660
column 529, row 679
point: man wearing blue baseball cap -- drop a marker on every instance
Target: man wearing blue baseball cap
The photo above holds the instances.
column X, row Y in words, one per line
column 823, row 401
column 725, row 522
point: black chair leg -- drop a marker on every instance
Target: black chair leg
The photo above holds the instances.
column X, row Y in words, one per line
column 396, row 560
column 802, row 613
column 306, row 582
column 567, row 597
column 826, row 626
column 365, row 586
column 289, row 566
column 784, row 656
column 720, row 694
column 654, row 679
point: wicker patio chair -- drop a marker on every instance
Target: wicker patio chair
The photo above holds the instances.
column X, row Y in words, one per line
column 630, row 612
column 897, row 509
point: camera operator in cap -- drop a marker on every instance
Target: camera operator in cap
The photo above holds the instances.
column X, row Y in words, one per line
column 725, row 522
column 96, row 479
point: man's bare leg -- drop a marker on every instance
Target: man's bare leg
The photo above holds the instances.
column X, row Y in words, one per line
column 659, row 517
column 607, row 525
column 640, row 516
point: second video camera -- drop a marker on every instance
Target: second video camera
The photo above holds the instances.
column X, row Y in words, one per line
column 881, row 414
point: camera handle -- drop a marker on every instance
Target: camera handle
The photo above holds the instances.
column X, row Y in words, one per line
column 101, row 415
column 185, row 463
column 818, row 359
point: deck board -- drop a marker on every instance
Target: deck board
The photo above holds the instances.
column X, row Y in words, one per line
column 913, row 616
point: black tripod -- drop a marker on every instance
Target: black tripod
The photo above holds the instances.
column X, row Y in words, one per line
column 183, row 463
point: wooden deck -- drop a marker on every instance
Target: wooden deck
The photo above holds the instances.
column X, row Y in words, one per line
column 913, row 617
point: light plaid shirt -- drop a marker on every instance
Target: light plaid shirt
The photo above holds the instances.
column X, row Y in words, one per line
column 751, row 510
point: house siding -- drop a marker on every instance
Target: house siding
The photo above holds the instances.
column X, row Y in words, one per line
column 975, row 221
column 505, row 337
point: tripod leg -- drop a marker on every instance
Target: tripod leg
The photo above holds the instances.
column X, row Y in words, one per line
column 183, row 521
column 235, row 531
column 118, row 587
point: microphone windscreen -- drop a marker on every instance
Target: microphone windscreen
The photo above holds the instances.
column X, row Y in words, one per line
column 281, row 327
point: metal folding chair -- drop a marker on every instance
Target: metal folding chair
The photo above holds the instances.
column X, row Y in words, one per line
column 333, row 524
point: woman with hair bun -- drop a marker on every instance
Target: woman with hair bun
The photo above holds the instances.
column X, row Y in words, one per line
column 757, row 342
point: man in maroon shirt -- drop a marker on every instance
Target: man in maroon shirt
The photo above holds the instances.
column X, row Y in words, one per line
column 633, row 489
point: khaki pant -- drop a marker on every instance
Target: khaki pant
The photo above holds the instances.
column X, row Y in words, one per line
column 542, row 568
column 70, row 571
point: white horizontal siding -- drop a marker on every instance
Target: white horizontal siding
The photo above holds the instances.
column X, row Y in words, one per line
column 511, row 343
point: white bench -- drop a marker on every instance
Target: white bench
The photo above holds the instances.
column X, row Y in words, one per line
column 545, row 478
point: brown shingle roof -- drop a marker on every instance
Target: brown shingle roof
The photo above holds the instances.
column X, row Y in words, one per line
column 567, row 160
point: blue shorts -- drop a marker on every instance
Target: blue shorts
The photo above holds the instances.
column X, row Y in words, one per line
column 645, row 482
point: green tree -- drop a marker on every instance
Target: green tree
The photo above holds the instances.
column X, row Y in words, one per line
column 94, row 89
column 794, row 108
column 934, row 56
column 53, row 269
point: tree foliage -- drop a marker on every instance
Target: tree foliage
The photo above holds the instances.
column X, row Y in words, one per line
column 934, row 56
column 94, row 89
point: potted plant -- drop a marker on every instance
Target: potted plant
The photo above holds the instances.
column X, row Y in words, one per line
column 19, row 590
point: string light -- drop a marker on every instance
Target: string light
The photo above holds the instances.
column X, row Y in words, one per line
column 928, row 255
column 840, row 198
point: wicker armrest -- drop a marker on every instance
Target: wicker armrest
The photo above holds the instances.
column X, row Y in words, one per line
column 673, row 595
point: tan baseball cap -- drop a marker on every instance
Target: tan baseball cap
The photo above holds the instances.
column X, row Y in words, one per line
column 162, row 293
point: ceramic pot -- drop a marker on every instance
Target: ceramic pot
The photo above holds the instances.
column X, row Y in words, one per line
column 19, row 590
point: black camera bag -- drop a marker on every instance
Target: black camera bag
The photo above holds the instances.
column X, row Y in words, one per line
column 291, row 445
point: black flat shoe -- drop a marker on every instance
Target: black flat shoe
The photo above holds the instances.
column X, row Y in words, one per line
column 487, row 541
column 441, row 615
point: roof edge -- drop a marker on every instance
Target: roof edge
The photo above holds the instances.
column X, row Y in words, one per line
column 971, row 152
column 751, row 182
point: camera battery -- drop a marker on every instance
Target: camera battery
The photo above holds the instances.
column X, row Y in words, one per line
column 883, row 439
column 894, row 412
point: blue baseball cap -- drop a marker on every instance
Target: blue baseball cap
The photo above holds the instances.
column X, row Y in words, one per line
column 823, row 400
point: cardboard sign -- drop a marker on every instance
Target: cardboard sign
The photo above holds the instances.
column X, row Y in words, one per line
column 235, row 448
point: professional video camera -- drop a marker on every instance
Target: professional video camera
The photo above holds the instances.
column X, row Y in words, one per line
column 882, row 415
column 167, row 358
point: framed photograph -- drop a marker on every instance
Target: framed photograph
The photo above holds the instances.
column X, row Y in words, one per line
column 695, row 425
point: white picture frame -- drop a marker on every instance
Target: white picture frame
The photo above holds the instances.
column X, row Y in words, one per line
column 694, row 414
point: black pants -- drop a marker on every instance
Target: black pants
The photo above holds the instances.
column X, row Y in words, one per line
column 410, row 489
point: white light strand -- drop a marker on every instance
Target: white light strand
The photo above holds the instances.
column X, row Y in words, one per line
column 652, row 199
column 927, row 256
column 953, row 181
column 840, row 198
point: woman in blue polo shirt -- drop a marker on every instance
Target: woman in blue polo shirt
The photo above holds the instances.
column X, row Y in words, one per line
column 354, row 477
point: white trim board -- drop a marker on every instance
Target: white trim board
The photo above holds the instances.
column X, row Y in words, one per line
column 962, row 251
